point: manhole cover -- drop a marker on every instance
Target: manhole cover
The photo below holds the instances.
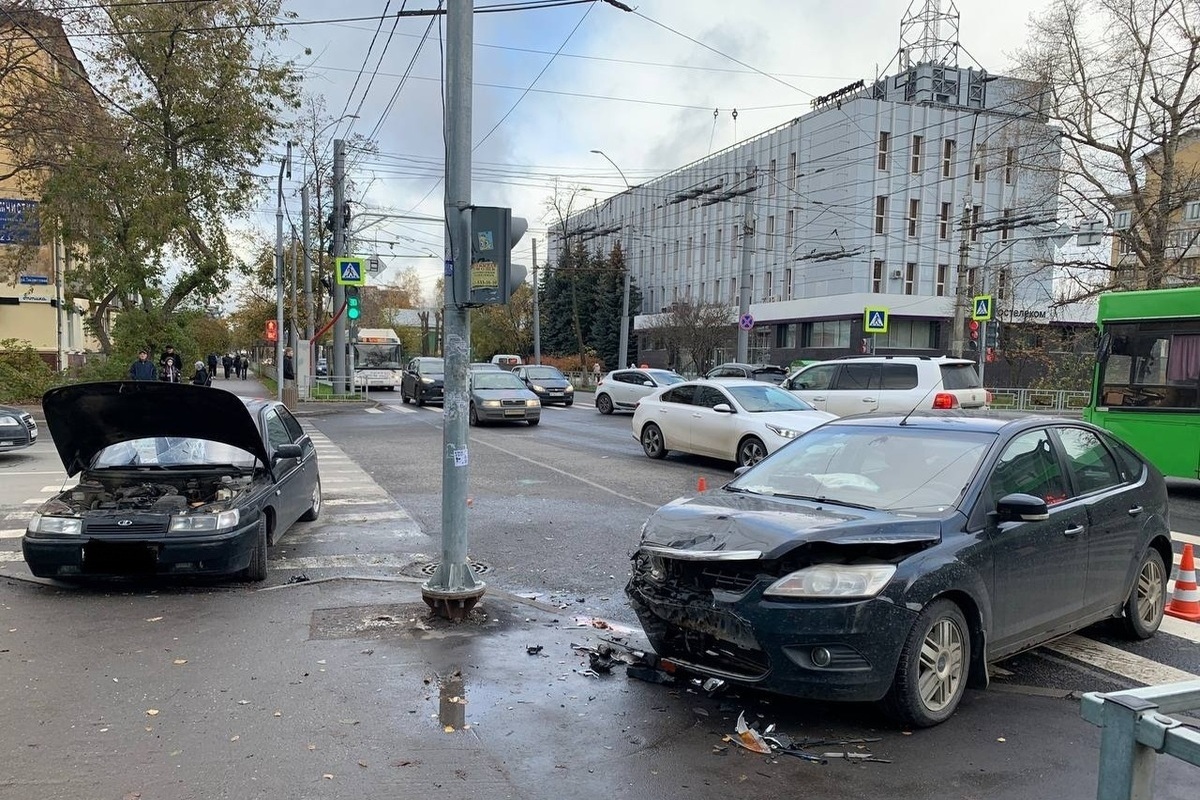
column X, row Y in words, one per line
column 477, row 567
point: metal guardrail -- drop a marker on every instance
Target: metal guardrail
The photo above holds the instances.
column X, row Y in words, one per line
column 1046, row 400
column 1135, row 729
column 319, row 389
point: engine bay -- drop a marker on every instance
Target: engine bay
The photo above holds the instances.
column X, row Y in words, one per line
column 159, row 496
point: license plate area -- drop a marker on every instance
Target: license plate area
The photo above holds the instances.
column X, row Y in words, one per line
column 119, row 558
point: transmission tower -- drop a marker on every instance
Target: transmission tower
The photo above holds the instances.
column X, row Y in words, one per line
column 929, row 34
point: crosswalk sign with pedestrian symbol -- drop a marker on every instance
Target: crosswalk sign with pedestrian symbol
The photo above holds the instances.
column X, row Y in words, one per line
column 981, row 308
column 351, row 271
column 875, row 320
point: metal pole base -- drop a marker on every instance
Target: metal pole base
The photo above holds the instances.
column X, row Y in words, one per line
column 452, row 591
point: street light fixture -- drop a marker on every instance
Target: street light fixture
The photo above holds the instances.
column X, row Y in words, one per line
column 623, row 342
column 618, row 169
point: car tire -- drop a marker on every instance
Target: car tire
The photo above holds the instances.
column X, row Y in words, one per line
column 472, row 416
column 653, row 443
column 569, row 403
column 314, row 509
column 934, row 666
column 257, row 570
column 403, row 396
column 1147, row 599
column 750, row 451
column 604, row 404
column 533, row 422
column 419, row 399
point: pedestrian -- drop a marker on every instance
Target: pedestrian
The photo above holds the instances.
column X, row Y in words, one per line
column 237, row 365
column 245, row 364
column 227, row 363
column 143, row 368
column 201, row 378
column 596, row 372
column 289, row 364
column 212, row 364
column 170, row 354
column 170, row 370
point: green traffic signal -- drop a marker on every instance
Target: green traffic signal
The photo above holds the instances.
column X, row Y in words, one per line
column 353, row 311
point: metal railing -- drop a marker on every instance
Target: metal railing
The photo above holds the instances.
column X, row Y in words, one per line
column 1135, row 729
column 319, row 389
column 1045, row 400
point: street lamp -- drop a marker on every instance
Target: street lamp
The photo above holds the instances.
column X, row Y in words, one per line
column 285, row 164
column 623, row 342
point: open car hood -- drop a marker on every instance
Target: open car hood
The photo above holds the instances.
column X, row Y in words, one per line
column 85, row 418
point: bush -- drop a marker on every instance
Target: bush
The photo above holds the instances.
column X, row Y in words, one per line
column 24, row 376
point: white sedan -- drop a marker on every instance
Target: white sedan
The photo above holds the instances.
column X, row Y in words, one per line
column 737, row 420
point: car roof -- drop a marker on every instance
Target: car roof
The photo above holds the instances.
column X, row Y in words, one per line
column 893, row 359
column 726, row 382
column 958, row 420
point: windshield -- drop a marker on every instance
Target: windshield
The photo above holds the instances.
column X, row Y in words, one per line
column 767, row 398
column 171, row 451
column 544, row 372
column 377, row 356
column 886, row 468
column 431, row 366
column 665, row 378
column 496, row 380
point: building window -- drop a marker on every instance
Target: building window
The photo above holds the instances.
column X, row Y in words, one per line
column 1003, row 278
column 750, row 287
column 717, row 291
column 910, row 278
column 787, row 284
column 770, row 226
column 884, row 138
column 733, row 292
column 948, row 148
column 785, row 336
column 914, row 211
column 792, row 170
column 1010, row 165
column 702, row 298
column 717, row 254
column 972, row 282
column 733, row 241
column 827, row 333
column 880, row 213
column 771, row 179
column 703, row 247
column 917, row 142
column 768, row 287
column 975, row 212
column 979, row 151
column 1122, row 220
column 1191, row 211
column 944, row 222
column 943, row 270
column 877, row 276
column 1006, row 228
column 651, row 259
column 908, row 334
column 791, row 221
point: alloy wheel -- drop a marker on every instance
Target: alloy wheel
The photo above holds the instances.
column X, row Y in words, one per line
column 1150, row 597
column 941, row 665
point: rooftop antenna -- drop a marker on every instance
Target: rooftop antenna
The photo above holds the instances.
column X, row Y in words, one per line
column 929, row 34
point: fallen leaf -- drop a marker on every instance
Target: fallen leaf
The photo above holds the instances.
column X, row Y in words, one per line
column 179, row 662
column 148, row 729
column 322, row 661
column 279, row 713
column 362, row 764
column 152, row 712
column 176, row 753
column 328, row 776
column 1002, row 739
column 234, row 738
column 154, row 619
column 448, row 729
column 312, row 747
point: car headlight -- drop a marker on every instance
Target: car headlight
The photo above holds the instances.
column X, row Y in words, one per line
column 426, row 380
column 9, row 422
column 786, row 433
column 68, row 525
column 205, row 522
column 491, row 403
column 569, row 389
column 534, row 403
column 537, row 388
column 834, row 580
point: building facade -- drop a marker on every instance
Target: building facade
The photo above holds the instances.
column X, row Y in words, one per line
column 875, row 198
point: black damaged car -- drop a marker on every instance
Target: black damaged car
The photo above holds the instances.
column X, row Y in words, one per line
column 174, row 479
column 881, row 558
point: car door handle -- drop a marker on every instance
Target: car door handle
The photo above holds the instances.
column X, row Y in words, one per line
column 1133, row 512
column 819, row 399
column 868, row 400
column 1074, row 530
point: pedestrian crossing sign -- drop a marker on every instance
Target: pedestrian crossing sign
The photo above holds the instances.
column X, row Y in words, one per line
column 875, row 320
column 351, row 271
column 981, row 308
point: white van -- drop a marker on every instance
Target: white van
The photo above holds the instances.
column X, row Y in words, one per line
column 507, row 361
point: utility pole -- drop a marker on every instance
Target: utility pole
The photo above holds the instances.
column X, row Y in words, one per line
column 310, row 316
column 537, row 317
column 960, row 289
column 59, row 299
column 337, row 370
column 623, row 346
column 295, row 332
column 285, row 165
column 453, row 590
column 743, row 335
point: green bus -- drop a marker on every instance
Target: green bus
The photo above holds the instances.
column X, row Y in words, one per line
column 1146, row 387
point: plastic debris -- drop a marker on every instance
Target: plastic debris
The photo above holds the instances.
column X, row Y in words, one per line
column 298, row 578
column 601, row 662
column 773, row 742
column 856, row 757
column 749, row 738
column 649, row 674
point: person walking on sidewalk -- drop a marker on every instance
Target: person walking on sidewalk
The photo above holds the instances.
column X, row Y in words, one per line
column 245, row 364
column 289, row 365
column 201, row 378
column 143, row 368
column 227, row 363
column 212, row 365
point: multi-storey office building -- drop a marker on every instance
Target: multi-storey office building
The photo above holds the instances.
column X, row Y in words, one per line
column 867, row 200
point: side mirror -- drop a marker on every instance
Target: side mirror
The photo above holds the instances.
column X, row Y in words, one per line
column 648, row 383
column 723, row 408
column 288, row 451
column 740, row 470
column 1019, row 507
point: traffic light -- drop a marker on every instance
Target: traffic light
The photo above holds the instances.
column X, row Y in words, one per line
column 353, row 309
column 992, row 336
column 490, row 277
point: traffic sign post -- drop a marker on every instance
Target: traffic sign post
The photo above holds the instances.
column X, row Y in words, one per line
column 351, row 271
column 981, row 308
column 875, row 320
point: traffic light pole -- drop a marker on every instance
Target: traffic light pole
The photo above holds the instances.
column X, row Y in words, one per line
column 453, row 590
column 338, row 372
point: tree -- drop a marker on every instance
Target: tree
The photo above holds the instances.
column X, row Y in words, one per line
column 504, row 328
column 1119, row 80
column 693, row 332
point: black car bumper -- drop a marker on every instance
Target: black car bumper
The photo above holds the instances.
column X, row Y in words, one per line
column 776, row 646
column 428, row 393
column 551, row 396
column 61, row 556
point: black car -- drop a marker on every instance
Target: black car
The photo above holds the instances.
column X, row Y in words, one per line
column 174, row 479
column 423, row 380
column 17, row 429
column 755, row 372
column 893, row 558
column 550, row 385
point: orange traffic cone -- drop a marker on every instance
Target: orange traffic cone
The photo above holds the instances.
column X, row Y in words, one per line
column 701, row 484
column 1185, row 602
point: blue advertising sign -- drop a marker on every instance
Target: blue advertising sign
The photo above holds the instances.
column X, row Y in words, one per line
column 19, row 222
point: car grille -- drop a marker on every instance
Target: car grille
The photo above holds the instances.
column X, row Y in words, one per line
column 136, row 528
column 513, row 403
column 726, row 576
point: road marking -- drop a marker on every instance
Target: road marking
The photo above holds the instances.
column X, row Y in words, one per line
column 402, row 409
column 358, row 501
column 342, row 561
column 373, row 410
column 1119, row 662
column 1181, row 628
column 12, row 533
column 58, row 488
column 1186, row 538
column 33, row 501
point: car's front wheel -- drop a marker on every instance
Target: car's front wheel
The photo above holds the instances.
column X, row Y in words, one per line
column 750, row 451
column 653, row 443
column 403, row 395
column 604, row 404
column 472, row 415
column 418, row 397
column 1148, row 598
column 533, row 422
column 932, row 674
column 257, row 569
column 314, row 507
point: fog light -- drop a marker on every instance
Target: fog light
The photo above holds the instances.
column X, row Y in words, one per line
column 821, row 657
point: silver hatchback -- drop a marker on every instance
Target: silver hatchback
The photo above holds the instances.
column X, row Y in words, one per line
column 620, row 390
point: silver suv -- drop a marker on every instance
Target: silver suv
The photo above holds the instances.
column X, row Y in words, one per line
column 620, row 390
column 896, row 384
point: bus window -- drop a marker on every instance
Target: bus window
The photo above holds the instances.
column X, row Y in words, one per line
column 1151, row 365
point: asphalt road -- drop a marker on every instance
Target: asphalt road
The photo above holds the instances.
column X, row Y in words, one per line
column 341, row 685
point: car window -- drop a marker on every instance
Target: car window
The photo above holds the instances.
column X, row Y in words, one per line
column 277, row 432
column 626, row 377
column 496, row 379
column 1028, row 465
column 431, row 366
column 814, row 378
column 544, row 373
column 680, row 394
column 1091, row 465
column 1129, row 462
column 664, row 378
column 767, row 398
column 960, row 376
column 709, row 396
column 898, row 376
column 858, row 377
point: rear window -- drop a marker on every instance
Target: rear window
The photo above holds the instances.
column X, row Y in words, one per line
column 898, row 376
column 960, row 376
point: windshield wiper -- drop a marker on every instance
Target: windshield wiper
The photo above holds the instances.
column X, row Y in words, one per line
column 826, row 501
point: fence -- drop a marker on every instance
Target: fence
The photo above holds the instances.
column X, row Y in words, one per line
column 1047, row 400
column 1134, row 730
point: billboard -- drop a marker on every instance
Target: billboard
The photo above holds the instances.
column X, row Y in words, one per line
column 19, row 222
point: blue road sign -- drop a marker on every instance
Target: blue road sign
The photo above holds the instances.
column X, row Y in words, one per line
column 746, row 322
column 875, row 320
column 981, row 308
column 351, row 271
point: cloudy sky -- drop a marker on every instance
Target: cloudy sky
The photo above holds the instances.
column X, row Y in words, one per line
column 553, row 84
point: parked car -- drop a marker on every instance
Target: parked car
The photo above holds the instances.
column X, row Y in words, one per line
column 17, row 429
column 508, row 362
column 894, row 384
column 174, row 479
column 322, row 367
column 499, row 396
column 737, row 420
column 550, row 385
column 754, row 372
column 423, row 380
column 892, row 558
column 620, row 390
column 476, row 366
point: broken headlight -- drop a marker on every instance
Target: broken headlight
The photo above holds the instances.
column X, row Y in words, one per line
column 833, row 580
column 205, row 522
column 43, row 524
